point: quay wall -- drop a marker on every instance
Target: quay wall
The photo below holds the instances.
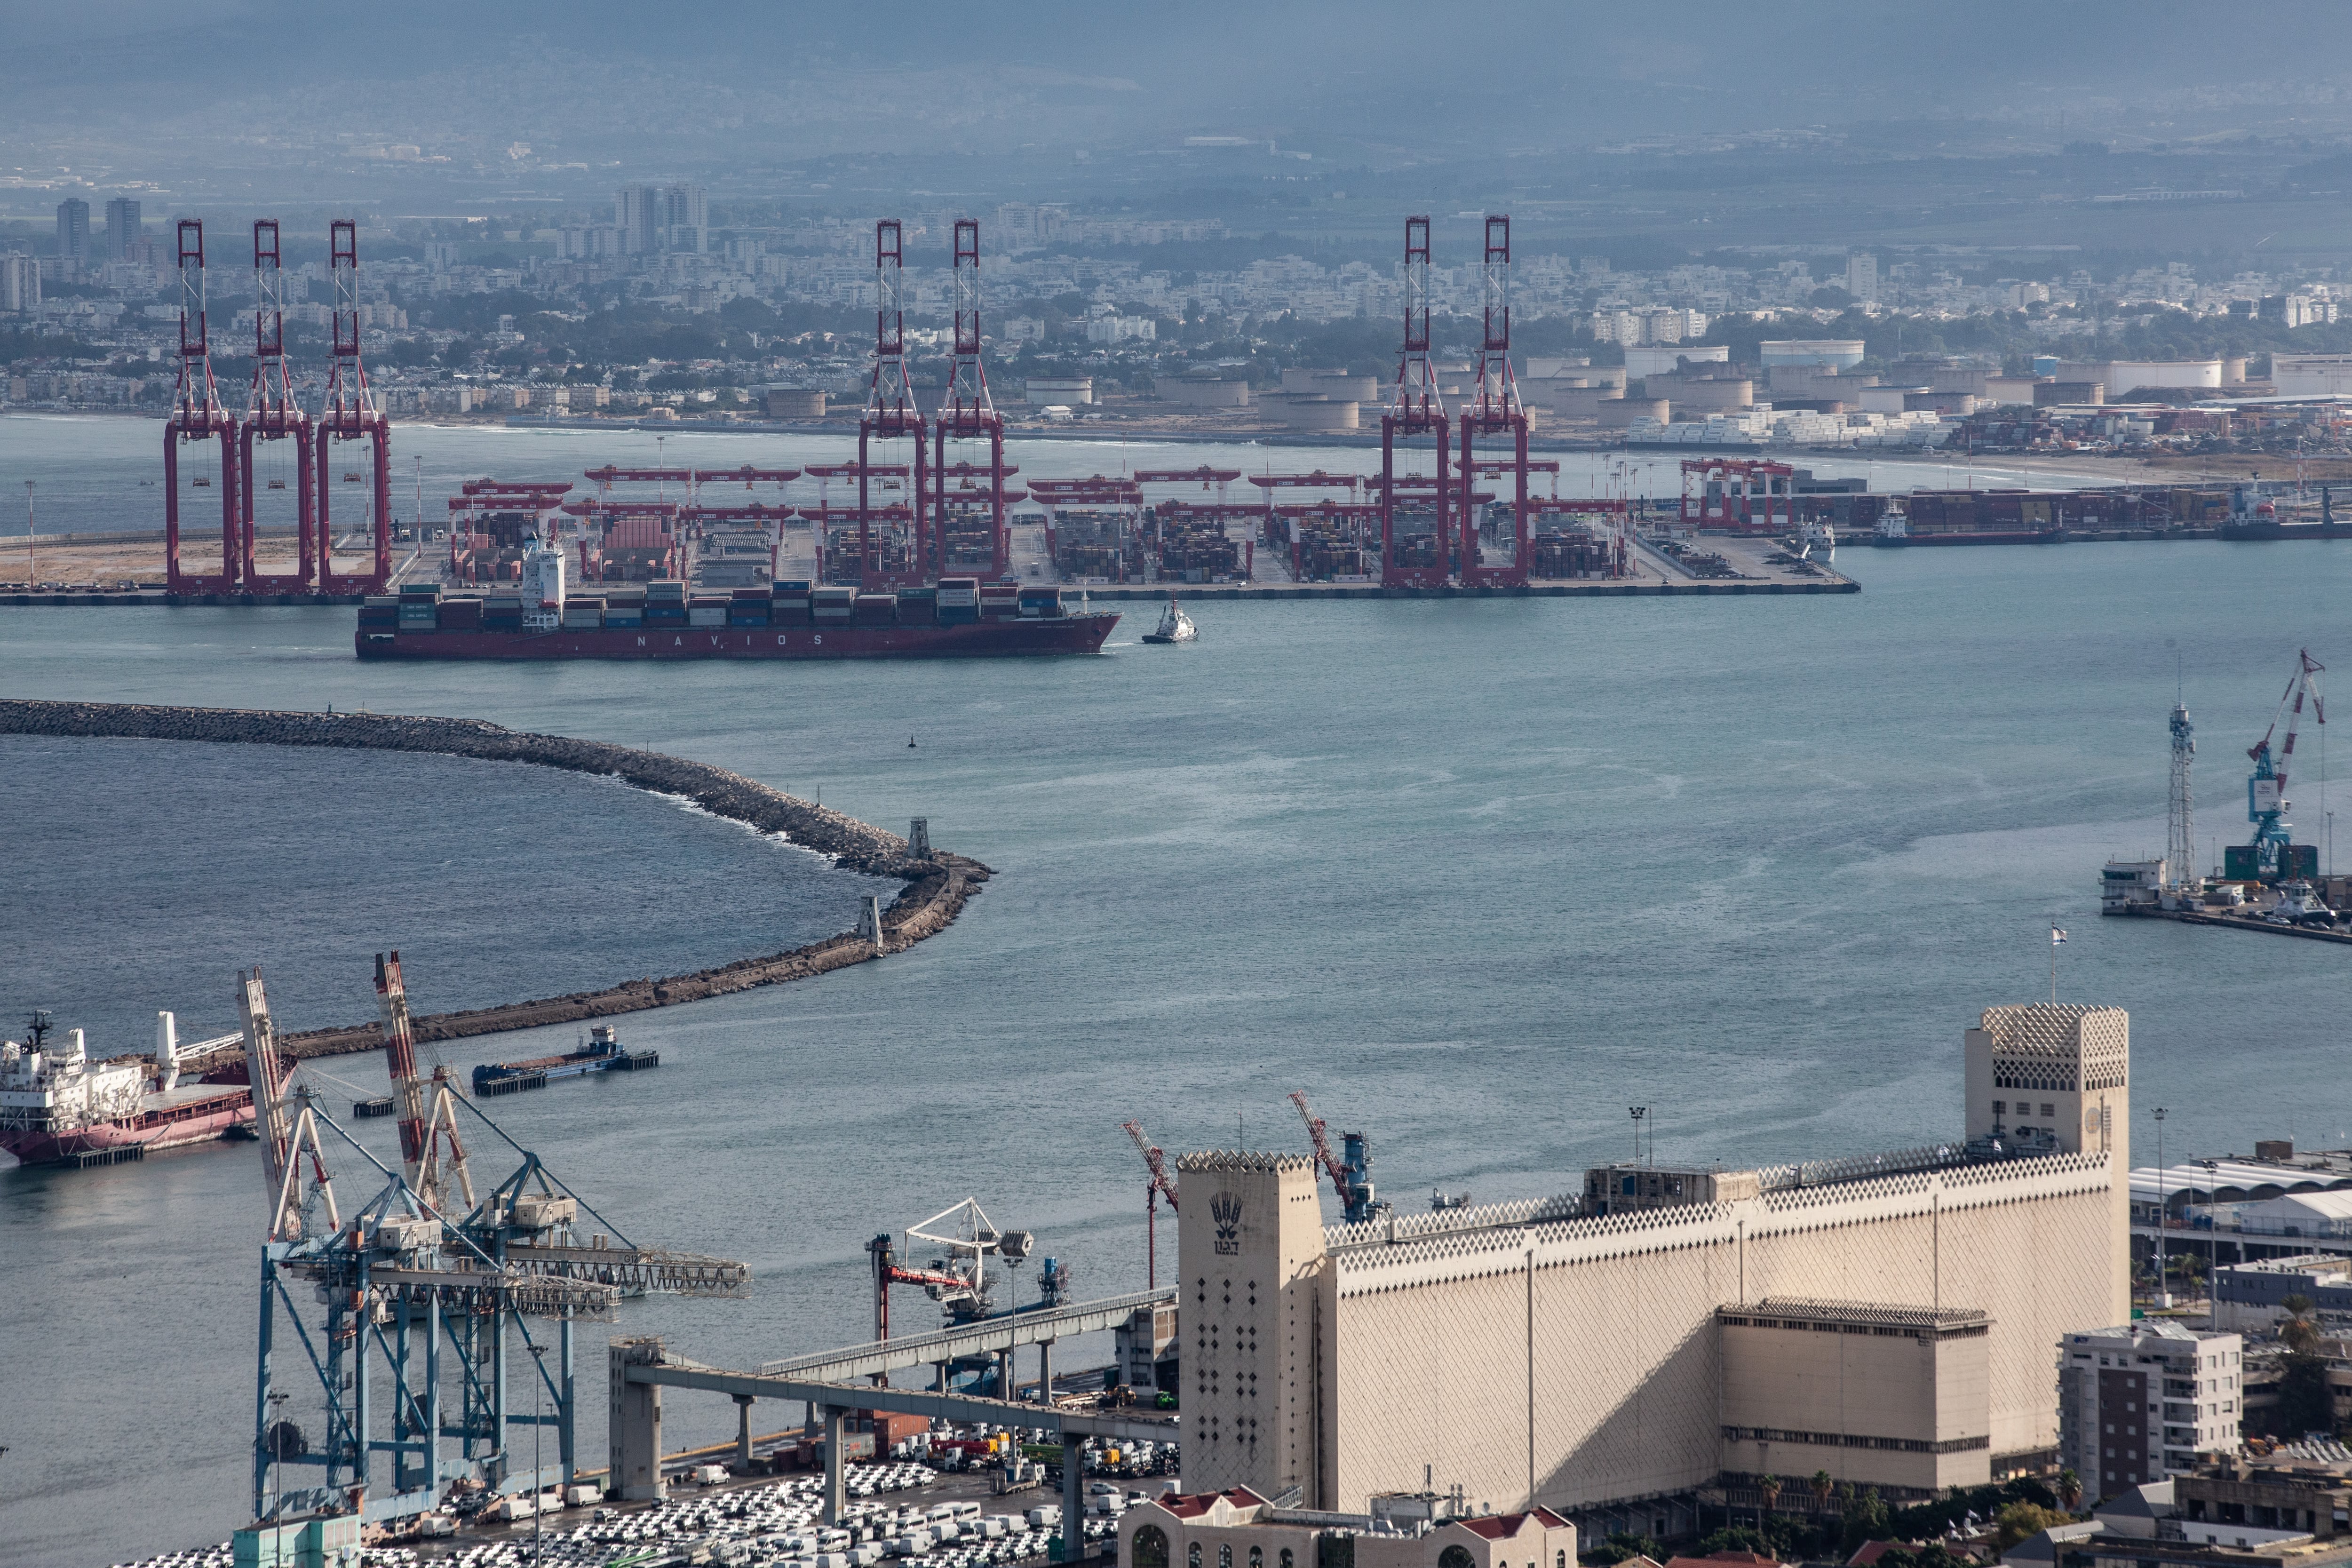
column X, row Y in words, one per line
column 934, row 890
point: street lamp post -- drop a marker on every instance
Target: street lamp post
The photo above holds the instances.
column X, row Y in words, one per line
column 1637, row 1112
column 538, row 1431
column 2161, row 1247
column 32, row 527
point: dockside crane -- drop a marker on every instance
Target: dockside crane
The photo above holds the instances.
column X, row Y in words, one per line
column 407, row 1315
column 1351, row 1176
column 428, row 1114
column 2271, row 855
column 1160, row 1187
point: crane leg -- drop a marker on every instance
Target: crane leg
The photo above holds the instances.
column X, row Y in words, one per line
column 833, row 1495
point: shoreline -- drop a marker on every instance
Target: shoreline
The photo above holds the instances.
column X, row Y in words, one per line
column 934, row 889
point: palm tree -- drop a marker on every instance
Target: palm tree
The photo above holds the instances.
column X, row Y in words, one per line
column 1768, row 1489
column 1823, row 1487
column 2297, row 1332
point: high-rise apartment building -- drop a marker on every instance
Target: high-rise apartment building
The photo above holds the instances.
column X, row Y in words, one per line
column 20, row 282
column 73, row 230
column 2142, row 1401
column 636, row 211
column 662, row 217
column 1862, row 278
column 122, row 231
column 686, row 219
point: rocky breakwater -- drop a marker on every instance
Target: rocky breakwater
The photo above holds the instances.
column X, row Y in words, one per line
column 935, row 886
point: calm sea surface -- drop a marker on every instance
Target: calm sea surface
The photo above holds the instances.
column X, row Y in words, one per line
column 1476, row 876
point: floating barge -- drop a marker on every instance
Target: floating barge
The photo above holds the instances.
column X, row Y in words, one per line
column 601, row 1053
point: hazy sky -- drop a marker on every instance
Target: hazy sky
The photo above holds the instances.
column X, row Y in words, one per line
column 127, row 84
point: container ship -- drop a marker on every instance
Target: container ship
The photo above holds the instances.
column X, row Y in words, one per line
column 601, row 1052
column 961, row 618
column 57, row 1107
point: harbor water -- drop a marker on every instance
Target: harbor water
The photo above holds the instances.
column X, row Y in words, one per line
column 1478, row 876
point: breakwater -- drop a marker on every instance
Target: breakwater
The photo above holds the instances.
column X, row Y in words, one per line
column 935, row 886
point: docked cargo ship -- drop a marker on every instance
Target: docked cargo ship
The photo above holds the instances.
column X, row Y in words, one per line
column 961, row 618
column 57, row 1107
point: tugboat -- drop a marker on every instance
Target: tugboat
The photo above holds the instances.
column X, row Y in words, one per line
column 1175, row 626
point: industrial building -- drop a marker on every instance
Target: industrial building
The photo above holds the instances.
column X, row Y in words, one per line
column 1588, row 1350
column 2146, row 1400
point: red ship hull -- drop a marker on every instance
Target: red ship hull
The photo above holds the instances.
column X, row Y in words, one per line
column 976, row 639
column 197, row 1120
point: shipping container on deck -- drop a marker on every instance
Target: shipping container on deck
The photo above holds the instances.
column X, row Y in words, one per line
column 878, row 609
column 460, row 615
column 833, row 603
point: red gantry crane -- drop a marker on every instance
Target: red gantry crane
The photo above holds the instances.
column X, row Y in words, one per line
column 197, row 415
column 1417, row 408
column 351, row 415
column 1160, row 1187
column 272, row 415
column 1496, row 411
column 891, row 414
column 968, row 413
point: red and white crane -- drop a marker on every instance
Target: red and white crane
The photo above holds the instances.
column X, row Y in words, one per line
column 272, row 415
column 197, row 415
column 428, row 1120
column 288, row 1137
column 1160, row 1186
column 1350, row 1177
column 350, row 413
column 1417, row 407
column 1496, row 411
column 968, row 413
column 891, row 414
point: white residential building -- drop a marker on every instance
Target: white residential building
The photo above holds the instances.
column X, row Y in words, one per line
column 1862, row 278
column 2141, row 1402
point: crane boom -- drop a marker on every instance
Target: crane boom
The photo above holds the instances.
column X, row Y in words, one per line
column 1157, row 1162
column 1352, row 1203
column 2267, row 803
column 269, row 1081
column 400, row 1059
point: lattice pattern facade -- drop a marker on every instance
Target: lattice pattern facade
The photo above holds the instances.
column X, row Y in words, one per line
column 1535, row 1358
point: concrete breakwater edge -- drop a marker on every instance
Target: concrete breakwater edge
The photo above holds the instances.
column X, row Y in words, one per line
column 934, row 890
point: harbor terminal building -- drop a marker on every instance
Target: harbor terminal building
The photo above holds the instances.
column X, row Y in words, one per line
column 1891, row 1318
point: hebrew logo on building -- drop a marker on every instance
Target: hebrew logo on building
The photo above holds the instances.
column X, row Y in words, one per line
column 1226, row 1209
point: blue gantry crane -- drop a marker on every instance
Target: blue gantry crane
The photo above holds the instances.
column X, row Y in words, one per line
column 405, row 1315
